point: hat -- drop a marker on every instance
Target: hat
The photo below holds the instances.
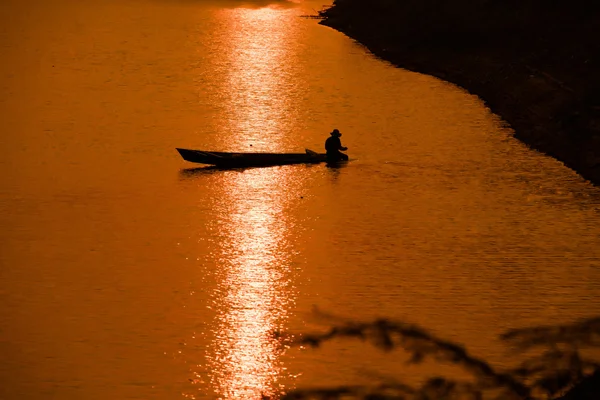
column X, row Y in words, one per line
column 336, row 132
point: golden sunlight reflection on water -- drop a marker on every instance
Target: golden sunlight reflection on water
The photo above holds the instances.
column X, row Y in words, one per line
column 129, row 274
column 253, row 292
column 257, row 87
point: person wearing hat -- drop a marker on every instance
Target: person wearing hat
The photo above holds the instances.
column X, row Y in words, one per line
column 333, row 145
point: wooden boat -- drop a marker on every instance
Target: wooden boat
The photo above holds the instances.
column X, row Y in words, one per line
column 222, row 159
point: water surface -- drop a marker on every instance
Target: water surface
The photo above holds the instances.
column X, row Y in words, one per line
column 128, row 273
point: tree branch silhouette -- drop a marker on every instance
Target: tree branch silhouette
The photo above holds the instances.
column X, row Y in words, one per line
column 558, row 368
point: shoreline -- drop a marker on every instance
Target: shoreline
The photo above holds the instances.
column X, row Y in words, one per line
column 546, row 89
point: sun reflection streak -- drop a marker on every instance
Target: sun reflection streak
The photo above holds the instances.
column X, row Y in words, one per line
column 254, row 294
column 254, row 289
column 257, row 78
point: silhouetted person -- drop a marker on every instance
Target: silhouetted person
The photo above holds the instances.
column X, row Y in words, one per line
column 333, row 145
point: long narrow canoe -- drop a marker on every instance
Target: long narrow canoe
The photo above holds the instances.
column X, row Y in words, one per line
column 222, row 159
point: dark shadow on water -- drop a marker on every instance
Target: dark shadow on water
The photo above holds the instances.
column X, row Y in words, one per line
column 258, row 3
column 193, row 172
column 335, row 168
column 212, row 169
column 238, row 3
column 336, row 164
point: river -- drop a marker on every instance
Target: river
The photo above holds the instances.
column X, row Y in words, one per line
column 127, row 273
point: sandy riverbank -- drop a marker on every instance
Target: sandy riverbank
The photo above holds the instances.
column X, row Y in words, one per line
column 535, row 63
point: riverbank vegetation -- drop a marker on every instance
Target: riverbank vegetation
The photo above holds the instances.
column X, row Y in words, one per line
column 534, row 62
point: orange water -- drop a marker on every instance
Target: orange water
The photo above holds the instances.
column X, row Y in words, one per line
column 126, row 272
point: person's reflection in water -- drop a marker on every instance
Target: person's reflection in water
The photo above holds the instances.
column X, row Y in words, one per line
column 333, row 145
column 334, row 169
